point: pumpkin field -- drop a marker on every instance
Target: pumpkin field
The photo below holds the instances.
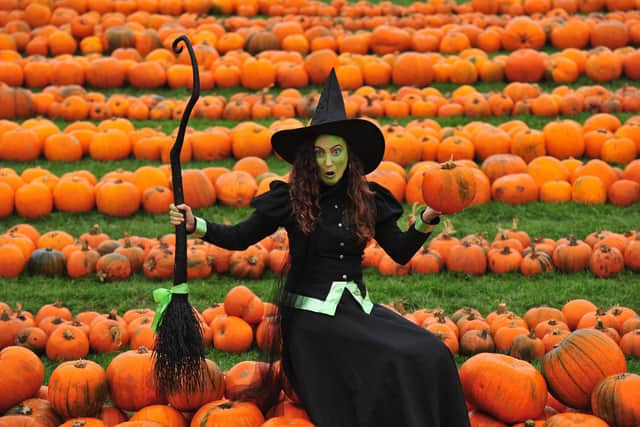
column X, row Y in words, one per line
column 534, row 287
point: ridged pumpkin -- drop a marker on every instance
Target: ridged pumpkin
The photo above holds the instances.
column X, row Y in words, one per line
column 616, row 400
column 78, row 388
column 574, row 367
column 509, row 389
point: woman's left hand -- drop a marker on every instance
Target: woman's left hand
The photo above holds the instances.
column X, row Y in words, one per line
column 430, row 214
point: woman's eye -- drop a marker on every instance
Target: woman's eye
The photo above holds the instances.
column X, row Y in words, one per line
column 336, row 151
column 319, row 153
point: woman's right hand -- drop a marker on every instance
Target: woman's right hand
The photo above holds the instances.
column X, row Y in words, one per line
column 176, row 217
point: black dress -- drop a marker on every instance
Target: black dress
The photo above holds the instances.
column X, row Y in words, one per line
column 352, row 369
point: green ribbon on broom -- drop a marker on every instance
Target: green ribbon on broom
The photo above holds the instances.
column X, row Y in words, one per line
column 162, row 296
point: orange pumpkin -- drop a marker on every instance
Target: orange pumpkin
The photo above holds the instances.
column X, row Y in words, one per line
column 77, row 388
column 448, row 189
column 572, row 374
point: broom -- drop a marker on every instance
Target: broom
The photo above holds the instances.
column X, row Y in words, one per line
column 179, row 350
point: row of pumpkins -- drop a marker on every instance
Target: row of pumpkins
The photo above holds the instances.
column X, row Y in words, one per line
column 244, row 320
column 602, row 136
column 583, row 372
column 72, row 102
column 58, row 253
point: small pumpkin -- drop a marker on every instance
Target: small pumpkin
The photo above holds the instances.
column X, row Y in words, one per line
column 448, row 189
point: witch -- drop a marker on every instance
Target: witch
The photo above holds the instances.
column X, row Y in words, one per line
column 351, row 362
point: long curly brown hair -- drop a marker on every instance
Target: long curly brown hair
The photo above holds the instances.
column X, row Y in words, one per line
column 304, row 193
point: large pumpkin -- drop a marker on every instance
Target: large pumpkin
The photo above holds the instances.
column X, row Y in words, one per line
column 576, row 365
column 449, row 188
column 22, row 374
column 131, row 380
column 512, row 390
column 617, row 401
column 78, row 388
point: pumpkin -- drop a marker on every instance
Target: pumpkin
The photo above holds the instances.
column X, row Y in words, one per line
column 244, row 379
column 162, row 414
column 113, row 266
column 467, row 258
column 33, row 338
column 116, row 197
column 448, row 189
column 536, row 262
column 572, row 256
column 222, row 412
column 213, row 390
column 503, row 386
column 131, row 381
column 38, row 409
column 82, row 262
column 249, row 262
column 15, row 103
column 260, row 41
column 108, row 334
column 19, row 421
column 515, row 189
column 606, row 261
column 22, row 373
column 47, row 262
column 476, row 341
column 570, row 419
column 67, row 342
column 84, row 422
column 78, row 388
column 527, row 347
column 576, row 365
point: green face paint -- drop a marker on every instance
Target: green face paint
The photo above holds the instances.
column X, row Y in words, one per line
column 332, row 158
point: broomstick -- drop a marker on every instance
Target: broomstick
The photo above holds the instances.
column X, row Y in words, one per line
column 179, row 351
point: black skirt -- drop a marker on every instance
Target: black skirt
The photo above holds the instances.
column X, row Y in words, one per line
column 370, row 370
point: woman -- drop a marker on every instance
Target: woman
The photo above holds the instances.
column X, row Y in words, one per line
column 351, row 362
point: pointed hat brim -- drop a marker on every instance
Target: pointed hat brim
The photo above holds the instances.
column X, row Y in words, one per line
column 363, row 137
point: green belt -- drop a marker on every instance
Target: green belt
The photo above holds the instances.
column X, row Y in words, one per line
column 329, row 304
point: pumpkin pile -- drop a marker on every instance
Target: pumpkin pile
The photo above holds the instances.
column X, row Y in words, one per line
column 582, row 350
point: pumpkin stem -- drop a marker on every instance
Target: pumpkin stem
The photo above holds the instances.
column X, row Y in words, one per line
column 502, row 307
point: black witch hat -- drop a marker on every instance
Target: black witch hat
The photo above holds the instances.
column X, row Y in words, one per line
column 363, row 137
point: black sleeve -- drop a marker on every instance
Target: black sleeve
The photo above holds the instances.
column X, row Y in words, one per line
column 271, row 211
column 400, row 245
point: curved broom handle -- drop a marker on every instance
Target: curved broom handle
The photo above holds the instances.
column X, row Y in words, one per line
column 180, row 263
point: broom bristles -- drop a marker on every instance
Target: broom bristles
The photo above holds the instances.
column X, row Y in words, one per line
column 179, row 349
